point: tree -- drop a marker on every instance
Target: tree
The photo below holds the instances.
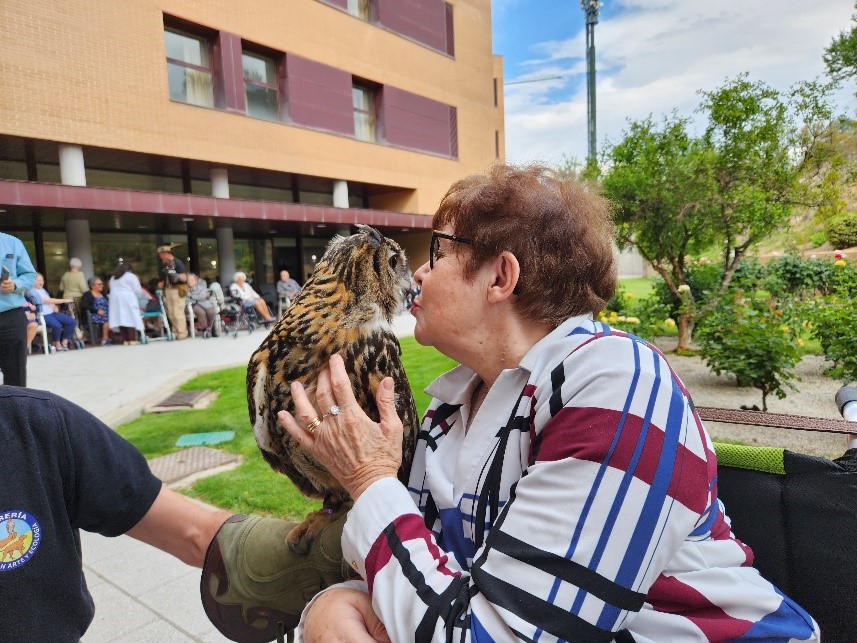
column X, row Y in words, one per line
column 676, row 194
column 754, row 174
column 840, row 57
column 655, row 183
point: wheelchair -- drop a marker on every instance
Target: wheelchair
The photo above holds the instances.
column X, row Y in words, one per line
column 236, row 317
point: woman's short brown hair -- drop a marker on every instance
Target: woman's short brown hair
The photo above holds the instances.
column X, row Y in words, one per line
column 558, row 229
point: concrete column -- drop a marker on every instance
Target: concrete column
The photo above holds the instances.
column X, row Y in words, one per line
column 259, row 272
column 79, row 241
column 225, row 237
column 219, row 182
column 73, row 172
column 225, row 254
column 72, row 169
column 340, row 194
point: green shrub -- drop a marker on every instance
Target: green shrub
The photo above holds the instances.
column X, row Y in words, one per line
column 753, row 339
column 621, row 302
column 797, row 276
column 652, row 313
column 817, row 239
column 834, row 322
column 749, row 275
column 842, row 230
column 702, row 277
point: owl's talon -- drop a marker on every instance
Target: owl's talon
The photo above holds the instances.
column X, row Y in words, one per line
column 301, row 538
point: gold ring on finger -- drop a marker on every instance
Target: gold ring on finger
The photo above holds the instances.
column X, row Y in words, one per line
column 313, row 424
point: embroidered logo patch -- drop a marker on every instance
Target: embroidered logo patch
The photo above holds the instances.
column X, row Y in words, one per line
column 20, row 537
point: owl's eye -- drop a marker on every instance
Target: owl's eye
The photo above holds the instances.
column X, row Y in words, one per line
column 394, row 261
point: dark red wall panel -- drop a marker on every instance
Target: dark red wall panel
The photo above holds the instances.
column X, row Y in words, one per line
column 227, row 51
column 319, row 96
column 416, row 122
column 422, row 20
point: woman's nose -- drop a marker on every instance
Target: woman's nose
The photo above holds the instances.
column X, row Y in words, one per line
column 421, row 273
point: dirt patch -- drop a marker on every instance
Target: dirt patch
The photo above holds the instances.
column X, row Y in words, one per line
column 814, row 397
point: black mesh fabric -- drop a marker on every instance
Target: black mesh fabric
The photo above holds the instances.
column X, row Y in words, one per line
column 802, row 527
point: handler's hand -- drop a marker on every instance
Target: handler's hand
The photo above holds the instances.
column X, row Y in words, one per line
column 7, row 286
column 344, row 615
column 356, row 450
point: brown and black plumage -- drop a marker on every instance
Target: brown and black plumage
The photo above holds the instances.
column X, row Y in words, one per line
column 346, row 306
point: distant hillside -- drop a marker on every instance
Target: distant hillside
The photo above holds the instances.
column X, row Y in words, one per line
column 806, row 233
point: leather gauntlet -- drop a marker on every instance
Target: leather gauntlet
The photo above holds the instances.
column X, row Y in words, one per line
column 254, row 587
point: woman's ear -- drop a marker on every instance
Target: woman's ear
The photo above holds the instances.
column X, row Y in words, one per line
column 506, row 271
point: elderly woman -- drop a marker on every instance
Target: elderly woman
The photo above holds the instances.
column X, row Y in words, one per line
column 562, row 487
column 61, row 325
column 94, row 304
column 73, row 283
column 204, row 309
column 240, row 289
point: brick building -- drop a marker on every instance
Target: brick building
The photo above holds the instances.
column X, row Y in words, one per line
column 248, row 132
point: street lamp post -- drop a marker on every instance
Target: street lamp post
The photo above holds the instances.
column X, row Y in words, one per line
column 590, row 8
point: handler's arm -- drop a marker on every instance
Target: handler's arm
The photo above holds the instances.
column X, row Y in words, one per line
column 179, row 526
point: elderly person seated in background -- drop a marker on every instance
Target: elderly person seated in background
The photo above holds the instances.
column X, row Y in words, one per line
column 61, row 324
column 287, row 287
column 249, row 298
column 562, row 486
column 30, row 310
column 95, row 307
column 204, row 309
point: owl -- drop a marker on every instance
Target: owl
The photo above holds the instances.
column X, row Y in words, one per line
column 347, row 307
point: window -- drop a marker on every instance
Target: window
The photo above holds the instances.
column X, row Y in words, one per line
column 364, row 112
column 261, row 87
column 189, row 68
column 359, row 8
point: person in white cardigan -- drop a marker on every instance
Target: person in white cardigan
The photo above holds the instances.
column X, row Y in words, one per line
column 124, row 311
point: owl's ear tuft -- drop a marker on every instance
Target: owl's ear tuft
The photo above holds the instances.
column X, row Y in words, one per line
column 375, row 237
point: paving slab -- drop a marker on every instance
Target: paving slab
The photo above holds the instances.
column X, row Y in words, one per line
column 174, row 467
column 184, row 400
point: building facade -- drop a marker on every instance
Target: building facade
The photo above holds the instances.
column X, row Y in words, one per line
column 247, row 133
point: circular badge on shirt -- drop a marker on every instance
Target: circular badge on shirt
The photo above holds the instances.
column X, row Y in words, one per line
column 20, row 537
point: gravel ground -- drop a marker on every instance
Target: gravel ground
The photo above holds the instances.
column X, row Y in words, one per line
column 813, row 397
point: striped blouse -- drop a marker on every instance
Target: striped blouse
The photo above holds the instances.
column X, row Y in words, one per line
column 579, row 505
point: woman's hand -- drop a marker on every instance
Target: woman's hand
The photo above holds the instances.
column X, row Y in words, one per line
column 343, row 615
column 356, row 450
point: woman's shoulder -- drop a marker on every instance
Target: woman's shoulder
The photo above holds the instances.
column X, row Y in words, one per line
column 592, row 347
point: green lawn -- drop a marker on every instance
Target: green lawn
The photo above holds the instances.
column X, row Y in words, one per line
column 640, row 287
column 253, row 487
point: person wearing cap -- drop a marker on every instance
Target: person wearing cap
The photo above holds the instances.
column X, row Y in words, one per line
column 174, row 283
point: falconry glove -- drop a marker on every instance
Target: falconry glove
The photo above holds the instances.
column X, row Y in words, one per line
column 254, row 587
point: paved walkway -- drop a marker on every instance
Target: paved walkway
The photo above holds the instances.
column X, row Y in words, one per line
column 140, row 593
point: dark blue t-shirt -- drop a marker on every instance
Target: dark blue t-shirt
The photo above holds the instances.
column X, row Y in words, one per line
column 62, row 470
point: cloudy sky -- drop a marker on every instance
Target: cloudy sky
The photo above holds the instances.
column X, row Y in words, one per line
column 652, row 57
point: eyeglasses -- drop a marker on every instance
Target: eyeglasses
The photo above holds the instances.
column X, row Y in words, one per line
column 434, row 248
